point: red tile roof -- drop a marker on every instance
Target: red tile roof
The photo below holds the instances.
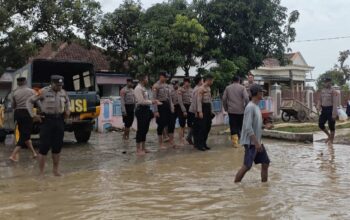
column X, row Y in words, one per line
column 75, row 52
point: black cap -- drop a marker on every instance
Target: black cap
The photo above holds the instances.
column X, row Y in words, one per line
column 57, row 79
column 175, row 82
column 255, row 88
column 327, row 79
column 236, row 79
column 208, row 76
column 21, row 79
column 163, row 73
column 129, row 80
column 187, row 79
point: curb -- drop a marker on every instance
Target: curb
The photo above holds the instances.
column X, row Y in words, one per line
column 282, row 135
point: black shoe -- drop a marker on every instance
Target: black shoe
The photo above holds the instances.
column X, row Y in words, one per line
column 201, row 148
column 207, row 148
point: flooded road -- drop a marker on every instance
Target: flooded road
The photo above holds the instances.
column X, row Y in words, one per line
column 105, row 180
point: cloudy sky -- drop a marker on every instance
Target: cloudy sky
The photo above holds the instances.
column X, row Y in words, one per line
column 318, row 19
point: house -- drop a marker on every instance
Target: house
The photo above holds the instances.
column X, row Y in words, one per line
column 108, row 81
column 180, row 73
column 291, row 76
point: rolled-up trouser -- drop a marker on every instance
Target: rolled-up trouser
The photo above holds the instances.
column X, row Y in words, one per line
column 128, row 119
column 143, row 116
column 202, row 126
column 164, row 117
column 327, row 115
column 51, row 134
column 25, row 125
column 236, row 123
column 189, row 118
column 173, row 117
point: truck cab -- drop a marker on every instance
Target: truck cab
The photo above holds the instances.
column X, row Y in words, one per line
column 80, row 84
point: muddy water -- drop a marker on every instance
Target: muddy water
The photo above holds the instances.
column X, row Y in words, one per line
column 104, row 180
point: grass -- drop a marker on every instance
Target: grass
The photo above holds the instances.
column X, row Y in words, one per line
column 308, row 128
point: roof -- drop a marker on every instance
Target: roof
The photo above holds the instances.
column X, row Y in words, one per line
column 293, row 59
column 75, row 52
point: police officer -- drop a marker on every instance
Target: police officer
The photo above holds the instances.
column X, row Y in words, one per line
column 185, row 99
column 54, row 107
column 174, row 94
column 24, row 120
column 127, row 99
column 163, row 112
column 193, row 109
column 249, row 84
column 143, row 113
column 234, row 100
column 327, row 104
column 204, row 114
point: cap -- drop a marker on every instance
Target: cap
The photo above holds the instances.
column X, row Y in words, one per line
column 255, row 88
column 187, row 79
column 208, row 76
column 57, row 79
column 327, row 79
column 163, row 73
column 175, row 82
column 129, row 80
column 21, row 79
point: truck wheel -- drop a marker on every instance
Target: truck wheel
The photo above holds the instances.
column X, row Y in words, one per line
column 82, row 133
column 3, row 134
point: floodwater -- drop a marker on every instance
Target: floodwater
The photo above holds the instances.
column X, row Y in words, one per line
column 105, row 180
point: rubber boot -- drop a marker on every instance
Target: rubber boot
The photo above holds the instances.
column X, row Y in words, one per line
column 234, row 139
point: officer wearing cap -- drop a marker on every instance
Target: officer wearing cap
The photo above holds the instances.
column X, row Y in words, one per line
column 162, row 112
column 174, row 94
column 185, row 99
column 193, row 110
column 127, row 98
column 327, row 104
column 54, row 107
column 24, row 120
column 204, row 114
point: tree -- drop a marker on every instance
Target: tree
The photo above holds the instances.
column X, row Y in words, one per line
column 344, row 55
column 118, row 33
column 190, row 38
column 253, row 29
column 337, row 77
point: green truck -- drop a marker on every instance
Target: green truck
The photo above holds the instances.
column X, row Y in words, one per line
column 80, row 84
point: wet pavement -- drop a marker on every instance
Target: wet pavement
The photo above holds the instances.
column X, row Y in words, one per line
column 105, row 180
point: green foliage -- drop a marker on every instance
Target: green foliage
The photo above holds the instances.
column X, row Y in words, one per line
column 336, row 76
column 223, row 75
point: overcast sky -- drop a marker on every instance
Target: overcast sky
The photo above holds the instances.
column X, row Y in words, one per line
column 318, row 19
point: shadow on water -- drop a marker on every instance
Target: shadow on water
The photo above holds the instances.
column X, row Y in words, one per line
column 105, row 180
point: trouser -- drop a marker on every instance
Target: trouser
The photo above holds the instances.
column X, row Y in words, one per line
column 51, row 134
column 128, row 119
column 164, row 116
column 202, row 126
column 236, row 123
column 189, row 118
column 326, row 115
column 25, row 125
column 173, row 117
column 143, row 116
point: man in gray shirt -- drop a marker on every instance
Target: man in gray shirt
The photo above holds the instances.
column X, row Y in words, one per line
column 234, row 100
column 251, row 137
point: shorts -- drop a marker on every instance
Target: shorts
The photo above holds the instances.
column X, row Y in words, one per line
column 128, row 119
column 51, row 135
column 25, row 125
column 251, row 155
column 326, row 115
column 183, row 119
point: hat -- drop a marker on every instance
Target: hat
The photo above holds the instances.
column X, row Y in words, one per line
column 255, row 88
column 21, row 79
column 57, row 79
column 163, row 73
column 129, row 80
column 175, row 82
column 208, row 76
column 187, row 79
column 327, row 79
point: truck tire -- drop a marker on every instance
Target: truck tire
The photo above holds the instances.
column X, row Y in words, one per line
column 82, row 133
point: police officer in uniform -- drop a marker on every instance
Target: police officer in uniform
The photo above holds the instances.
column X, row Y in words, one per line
column 127, row 99
column 249, row 84
column 23, row 118
column 185, row 99
column 204, row 114
column 234, row 100
column 193, row 109
column 54, row 107
column 163, row 112
column 328, row 104
column 143, row 113
column 174, row 94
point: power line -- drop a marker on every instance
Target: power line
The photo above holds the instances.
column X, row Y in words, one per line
column 321, row 39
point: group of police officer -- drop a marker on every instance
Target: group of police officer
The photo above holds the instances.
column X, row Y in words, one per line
column 169, row 101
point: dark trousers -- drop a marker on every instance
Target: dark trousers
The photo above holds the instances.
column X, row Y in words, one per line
column 164, row 117
column 143, row 116
column 51, row 134
column 128, row 119
column 236, row 123
column 25, row 125
column 202, row 126
column 326, row 115
column 189, row 119
column 173, row 117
